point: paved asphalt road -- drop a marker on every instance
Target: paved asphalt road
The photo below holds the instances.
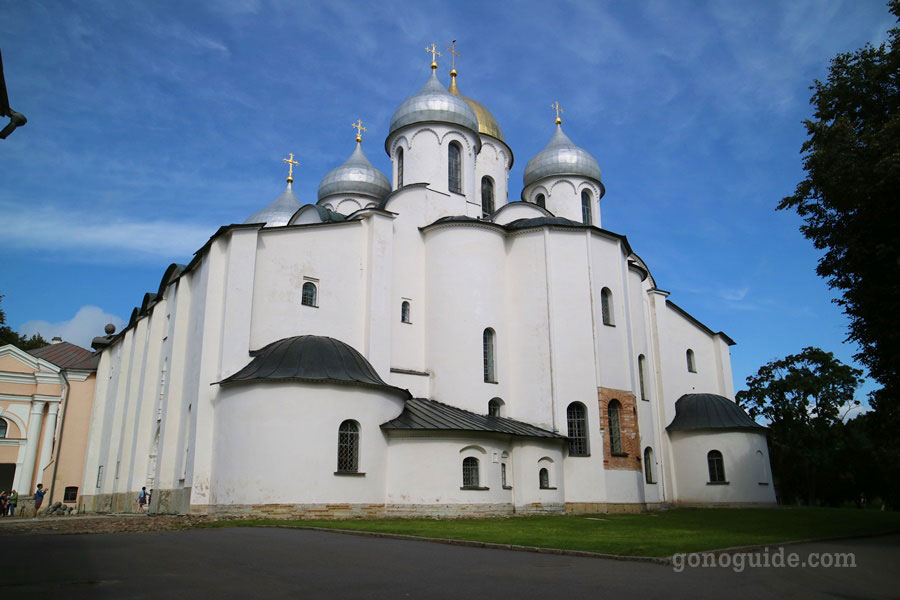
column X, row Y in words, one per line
column 282, row 563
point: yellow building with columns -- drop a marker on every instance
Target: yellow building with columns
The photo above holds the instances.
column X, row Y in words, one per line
column 46, row 396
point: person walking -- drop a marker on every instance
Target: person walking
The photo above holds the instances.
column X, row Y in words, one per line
column 142, row 499
column 12, row 502
column 38, row 498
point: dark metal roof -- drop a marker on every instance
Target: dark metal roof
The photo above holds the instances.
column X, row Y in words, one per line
column 710, row 411
column 430, row 415
column 67, row 356
column 311, row 358
column 696, row 322
column 543, row 221
column 329, row 216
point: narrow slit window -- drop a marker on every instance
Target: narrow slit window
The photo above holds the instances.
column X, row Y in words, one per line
column 454, row 168
column 490, row 374
column 691, row 365
column 487, row 197
column 606, row 310
column 716, row 466
column 404, row 312
column 494, row 407
column 642, row 365
column 648, row 465
column 577, row 429
column 615, row 433
column 309, row 295
column 586, row 207
column 4, row 427
column 470, row 472
column 348, row 447
column 503, row 475
column 399, row 167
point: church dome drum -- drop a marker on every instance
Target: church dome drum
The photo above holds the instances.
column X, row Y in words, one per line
column 433, row 103
column 356, row 176
column 561, row 157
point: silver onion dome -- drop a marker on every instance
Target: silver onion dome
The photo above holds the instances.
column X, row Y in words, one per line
column 279, row 212
column 561, row 157
column 355, row 176
column 434, row 103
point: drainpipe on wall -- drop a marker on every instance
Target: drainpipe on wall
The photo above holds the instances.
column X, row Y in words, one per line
column 59, row 438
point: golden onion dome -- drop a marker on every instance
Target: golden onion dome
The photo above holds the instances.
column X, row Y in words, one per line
column 487, row 124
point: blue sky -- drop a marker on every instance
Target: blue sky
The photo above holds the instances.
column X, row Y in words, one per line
column 153, row 123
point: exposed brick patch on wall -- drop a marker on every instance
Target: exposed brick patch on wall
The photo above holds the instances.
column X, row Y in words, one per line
column 628, row 426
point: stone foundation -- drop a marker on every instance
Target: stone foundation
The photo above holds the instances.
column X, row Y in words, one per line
column 364, row 511
column 164, row 502
column 177, row 502
column 588, row 508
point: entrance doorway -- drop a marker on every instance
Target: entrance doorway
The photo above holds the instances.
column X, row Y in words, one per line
column 7, row 473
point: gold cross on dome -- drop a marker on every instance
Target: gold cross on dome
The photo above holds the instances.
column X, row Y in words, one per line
column 359, row 129
column 559, row 111
column 453, row 54
column 291, row 162
column 434, row 53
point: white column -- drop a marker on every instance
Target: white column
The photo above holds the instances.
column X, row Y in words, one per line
column 31, row 446
column 47, row 442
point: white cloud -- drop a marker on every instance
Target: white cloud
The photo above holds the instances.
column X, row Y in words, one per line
column 87, row 324
column 95, row 235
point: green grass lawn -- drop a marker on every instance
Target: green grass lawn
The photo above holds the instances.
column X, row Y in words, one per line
column 648, row 534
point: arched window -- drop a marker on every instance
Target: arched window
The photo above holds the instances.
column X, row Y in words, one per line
column 691, row 366
column 487, row 197
column 648, row 465
column 540, row 201
column 577, row 429
column 586, row 207
column 642, row 366
column 716, row 466
column 470, row 472
column 544, row 479
column 399, row 167
column 308, row 297
column 488, row 351
column 4, row 427
column 404, row 312
column 615, row 433
column 503, row 475
column 494, row 407
column 606, row 306
column 454, row 168
column 348, row 447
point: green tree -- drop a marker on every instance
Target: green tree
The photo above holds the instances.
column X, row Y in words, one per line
column 9, row 336
column 803, row 398
column 849, row 200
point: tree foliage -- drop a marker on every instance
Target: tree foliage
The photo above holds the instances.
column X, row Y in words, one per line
column 9, row 336
column 849, row 199
column 804, row 398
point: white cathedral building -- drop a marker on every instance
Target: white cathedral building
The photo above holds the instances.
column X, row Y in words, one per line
column 421, row 345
